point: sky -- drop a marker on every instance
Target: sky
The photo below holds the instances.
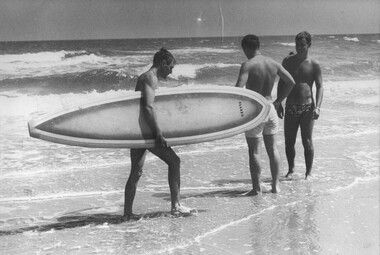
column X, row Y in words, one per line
column 24, row 20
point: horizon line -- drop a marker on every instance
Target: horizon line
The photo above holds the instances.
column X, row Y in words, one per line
column 163, row 38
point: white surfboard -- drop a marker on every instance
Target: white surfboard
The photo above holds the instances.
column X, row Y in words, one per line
column 185, row 115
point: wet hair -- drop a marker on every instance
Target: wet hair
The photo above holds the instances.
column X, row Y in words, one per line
column 302, row 35
column 251, row 42
column 163, row 54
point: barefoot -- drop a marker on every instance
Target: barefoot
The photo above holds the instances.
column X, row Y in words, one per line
column 275, row 189
column 131, row 216
column 289, row 174
column 252, row 193
column 183, row 211
column 308, row 177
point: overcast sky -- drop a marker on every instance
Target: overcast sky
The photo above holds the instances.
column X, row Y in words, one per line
column 108, row 19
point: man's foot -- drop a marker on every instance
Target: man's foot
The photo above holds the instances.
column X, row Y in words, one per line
column 183, row 211
column 252, row 193
column 308, row 177
column 289, row 174
column 275, row 189
column 131, row 216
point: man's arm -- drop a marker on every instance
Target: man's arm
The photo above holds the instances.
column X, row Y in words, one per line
column 243, row 76
column 148, row 96
column 319, row 89
column 280, row 108
column 286, row 88
column 280, row 91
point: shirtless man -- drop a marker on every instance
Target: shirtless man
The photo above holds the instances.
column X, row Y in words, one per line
column 147, row 83
column 301, row 110
column 258, row 73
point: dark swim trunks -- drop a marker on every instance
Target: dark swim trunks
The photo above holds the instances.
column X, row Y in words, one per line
column 297, row 110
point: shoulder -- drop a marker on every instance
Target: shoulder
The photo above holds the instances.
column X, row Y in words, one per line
column 288, row 59
column 272, row 62
column 315, row 64
column 148, row 78
column 246, row 65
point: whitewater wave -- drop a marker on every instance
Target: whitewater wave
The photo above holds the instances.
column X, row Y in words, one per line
column 191, row 71
column 187, row 51
column 15, row 66
column 353, row 39
column 292, row 44
column 55, row 81
column 30, row 64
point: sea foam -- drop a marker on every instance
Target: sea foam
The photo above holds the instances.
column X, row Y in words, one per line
column 353, row 39
column 42, row 64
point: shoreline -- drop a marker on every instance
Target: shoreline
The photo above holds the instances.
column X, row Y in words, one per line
column 76, row 194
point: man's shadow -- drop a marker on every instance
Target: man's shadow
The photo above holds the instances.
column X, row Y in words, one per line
column 221, row 191
column 80, row 219
column 77, row 220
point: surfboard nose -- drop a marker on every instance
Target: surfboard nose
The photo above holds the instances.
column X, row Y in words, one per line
column 32, row 129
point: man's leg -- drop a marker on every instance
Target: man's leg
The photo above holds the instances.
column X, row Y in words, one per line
column 167, row 155
column 270, row 142
column 307, row 125
column 254, row 164
column 137, row 163
column 290, row 130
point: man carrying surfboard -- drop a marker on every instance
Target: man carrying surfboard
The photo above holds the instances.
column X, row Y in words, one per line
column 147, row 83
column 258, row 73
column 301, row 110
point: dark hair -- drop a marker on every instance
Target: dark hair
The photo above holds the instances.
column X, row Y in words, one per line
column 250, row 42
column 163, row 54
column 302, row 35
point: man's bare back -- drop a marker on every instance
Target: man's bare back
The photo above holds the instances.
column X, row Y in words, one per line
column 262, row 74
column 259, row 73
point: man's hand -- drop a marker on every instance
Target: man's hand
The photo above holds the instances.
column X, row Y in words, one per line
column 161, row 141
column 316, row 113
column 280, row 110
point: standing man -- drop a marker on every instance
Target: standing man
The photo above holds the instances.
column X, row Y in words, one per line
column 301, row 110
column 147, row 83
column 258, row 73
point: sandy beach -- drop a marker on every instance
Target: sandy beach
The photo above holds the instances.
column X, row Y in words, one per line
column 78, row 211
column 58, row 199
column 323, row 216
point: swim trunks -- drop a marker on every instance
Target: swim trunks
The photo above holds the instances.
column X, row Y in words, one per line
column 298, row 110
column 268, row 127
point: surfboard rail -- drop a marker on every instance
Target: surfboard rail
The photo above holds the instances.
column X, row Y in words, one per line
column 35, row 130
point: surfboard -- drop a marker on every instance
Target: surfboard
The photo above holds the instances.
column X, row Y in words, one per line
column 185, row 115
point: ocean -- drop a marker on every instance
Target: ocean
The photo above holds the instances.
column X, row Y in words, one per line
column 69, row 200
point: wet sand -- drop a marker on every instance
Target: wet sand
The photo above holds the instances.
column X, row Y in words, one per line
column 67, row 200
column 326, row 215
column 343, row 222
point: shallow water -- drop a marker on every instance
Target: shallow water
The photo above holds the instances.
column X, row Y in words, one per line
column 61, row 199
column 69, row 200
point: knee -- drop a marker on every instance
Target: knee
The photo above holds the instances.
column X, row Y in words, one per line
column 289, row 143
column 175, row 162
column 273, row 152
column 253, row 153
column 308, row 144
column 136, row 172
